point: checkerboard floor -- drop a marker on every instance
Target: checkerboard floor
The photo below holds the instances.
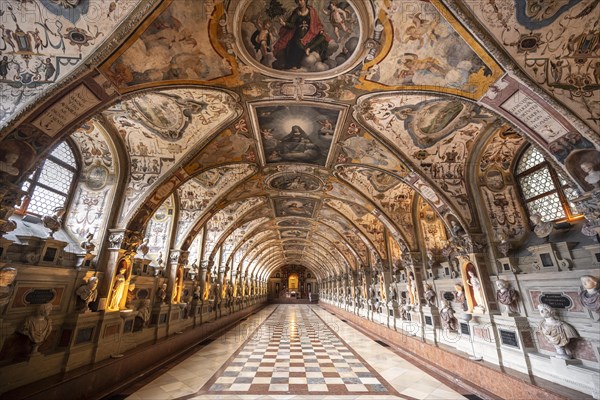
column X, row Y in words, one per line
column 294, row 351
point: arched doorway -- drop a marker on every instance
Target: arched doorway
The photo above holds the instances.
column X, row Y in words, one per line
column 293, row 282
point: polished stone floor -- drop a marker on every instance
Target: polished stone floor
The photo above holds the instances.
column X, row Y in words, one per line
column 295, row 352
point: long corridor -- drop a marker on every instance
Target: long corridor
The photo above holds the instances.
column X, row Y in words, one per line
column 294, row 352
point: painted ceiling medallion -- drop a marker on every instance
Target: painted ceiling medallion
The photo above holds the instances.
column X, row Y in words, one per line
column 305, row 38
column 295, row 182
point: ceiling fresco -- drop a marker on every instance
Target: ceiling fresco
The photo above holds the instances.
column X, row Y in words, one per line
column 42, row 42
column 556, row 43
column 259, row 133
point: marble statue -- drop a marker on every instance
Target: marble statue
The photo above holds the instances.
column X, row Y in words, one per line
column 118, row 288
column 447, row 317
column 429, row 294
column 86, row 294
column 161, row 294
column 506, row 295
column 38, row 327
column 590, row 296
column 475, row 283
column 557, row 332
column 413, row 289
column 541, row 229
column 144, row 248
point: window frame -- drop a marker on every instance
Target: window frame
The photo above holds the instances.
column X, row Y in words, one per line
column 23, row 209
column 558, row 188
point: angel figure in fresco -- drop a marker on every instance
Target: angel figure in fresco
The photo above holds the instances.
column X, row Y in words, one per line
column 337, row 16
column 262, row 38
column 326, row 128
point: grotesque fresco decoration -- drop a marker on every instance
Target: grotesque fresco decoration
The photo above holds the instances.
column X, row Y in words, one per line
column 294, row 207
column 153, row 143
column 223, row 220
column 506, row 216
column 43, row 41
column 434, row 232
column 159, row 228
column 444, row 158
column 555, row 43
column 367, row 223
column 388, row 192
column 295, row 182
column 362, row 148
column 173, row 47
column 428, row 51
column 92, row 197
column 293, row 133
column 199, row 193
column 300, row 36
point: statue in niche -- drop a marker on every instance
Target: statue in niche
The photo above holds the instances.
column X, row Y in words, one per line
column 38, row 327
column 411, row 285
column 506, row 295
column 118, row 287
column 429, row 294
column 130, row 296
column 590, row 296
column 557, row 332
column 447, row 317
column 161, row 294
column 86, row 294
column 475, row 283
column 459, row 296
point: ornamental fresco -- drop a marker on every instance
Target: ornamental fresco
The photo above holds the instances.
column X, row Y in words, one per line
column 444, row 160
column 96, row 184
column 174, row 47
column 200, row 192
column 555, row 43
column 152, row 150
column 41, row 42
column 426, row 50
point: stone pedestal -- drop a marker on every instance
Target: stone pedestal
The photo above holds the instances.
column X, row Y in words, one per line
column 78, row 334
column 431, row 319
column 159, row 319
column 569, row 373
column 514, row 341
column 111, row 326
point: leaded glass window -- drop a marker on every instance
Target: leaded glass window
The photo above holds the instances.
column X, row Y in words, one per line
column 545, row 192
column 49, row 186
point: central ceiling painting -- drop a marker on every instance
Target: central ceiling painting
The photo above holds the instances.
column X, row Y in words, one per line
column 296, row 133
column 300, row 36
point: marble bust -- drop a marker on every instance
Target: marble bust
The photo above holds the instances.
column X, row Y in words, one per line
column 506, row 295
column 38, row 327
column 87, row 294
column 590, row 295
column 557, row 332
column 447, row 317
column 429, row 294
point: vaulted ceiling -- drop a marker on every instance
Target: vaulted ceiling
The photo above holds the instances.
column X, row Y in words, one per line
column 373, row 146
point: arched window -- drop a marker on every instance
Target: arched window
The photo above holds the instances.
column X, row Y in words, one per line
column 49, row 186
column 545, row 191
